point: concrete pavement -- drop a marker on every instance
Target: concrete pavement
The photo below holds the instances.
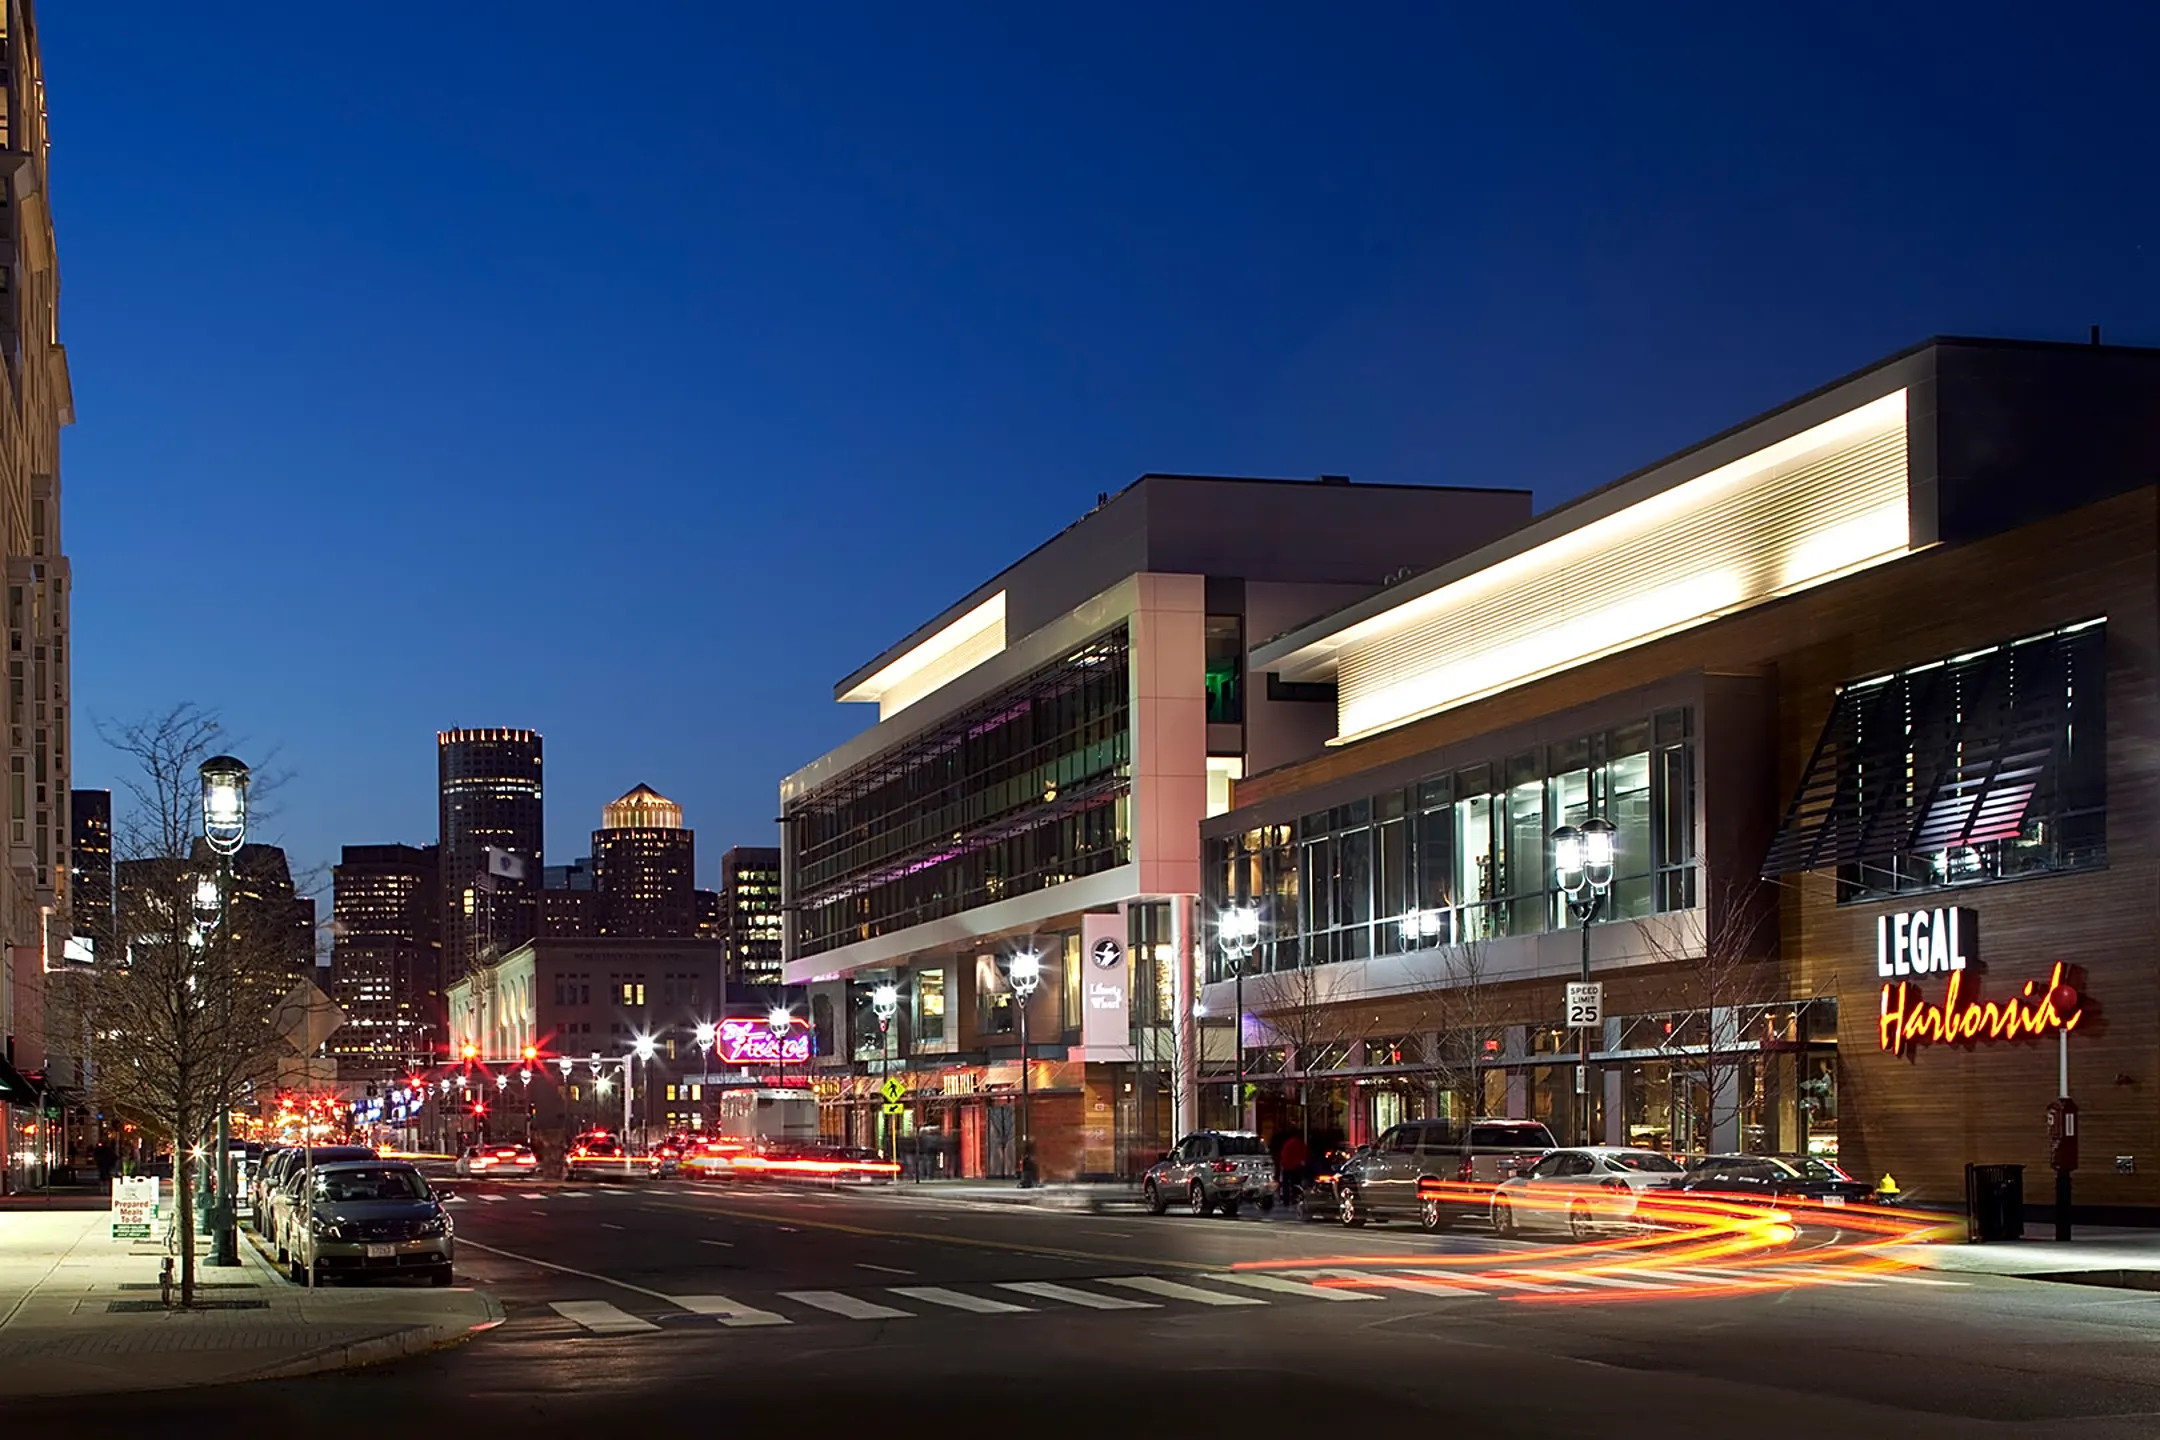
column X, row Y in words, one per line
column 2096, row 1255
column 80, row 1314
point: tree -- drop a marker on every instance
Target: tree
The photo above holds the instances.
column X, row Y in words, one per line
column 185, row 1018
column 1300, row 1007
column 1723, row 961
column 1460, row 1027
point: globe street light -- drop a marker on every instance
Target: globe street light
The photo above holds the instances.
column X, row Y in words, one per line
column 885, row 1004
column 1583, row 871
column 645, row 1048
column 1238, row 932
column 224, row 812
column 780, row 1019
column 1024, row 973
column 706, row 1033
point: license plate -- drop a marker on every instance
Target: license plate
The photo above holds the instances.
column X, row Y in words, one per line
column 382, row 1252
column 1833, row 1200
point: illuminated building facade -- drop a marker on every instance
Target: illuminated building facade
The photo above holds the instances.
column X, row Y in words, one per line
column 1045, row 750
column 90, row 869
column 36, row 401
column 644, row 866
column 1860, row 684
column 749, row 912
column 489, row 839
column 386, row 960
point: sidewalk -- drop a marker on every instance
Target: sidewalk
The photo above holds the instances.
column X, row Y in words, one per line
column 1055, row 1195
column 79, row 1314
column 2098, row 1255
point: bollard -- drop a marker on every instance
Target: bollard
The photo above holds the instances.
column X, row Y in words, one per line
column 165, row 1280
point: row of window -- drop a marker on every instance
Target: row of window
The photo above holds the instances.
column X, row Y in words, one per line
column 1466, row 856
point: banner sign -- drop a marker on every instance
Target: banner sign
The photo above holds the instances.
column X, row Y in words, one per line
column 1105, row 981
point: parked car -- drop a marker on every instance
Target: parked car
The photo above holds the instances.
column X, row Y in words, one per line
column 502, row 1160
column 1439, row 1171
column 1213, row 1171
column 1316, row 1197
column 1579, row 1191
column 1775, row 1177
column 283, row 1183
column 371, row 1217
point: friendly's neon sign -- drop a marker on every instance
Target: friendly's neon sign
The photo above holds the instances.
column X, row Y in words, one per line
column 754, row 1042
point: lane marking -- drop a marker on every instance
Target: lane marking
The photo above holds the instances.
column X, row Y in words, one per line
column 846, row 1305
column 605, row 1226
column 1044, row 1290
column 600, row 1317
column 727, row 1312
column 959, row 1300
column 1172, row 1290
column 887, row 1269
column 1289, row 1287
column 1049, row 1252
column 465, row 1244
column 723, row 1244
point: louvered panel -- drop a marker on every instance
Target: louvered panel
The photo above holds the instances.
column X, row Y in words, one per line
column 1941, row 757
column 1798, row 513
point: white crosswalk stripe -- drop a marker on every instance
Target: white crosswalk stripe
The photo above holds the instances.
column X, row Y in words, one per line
column 840, row 1303
column 1279, row 1286
column 727, row 1312
column 1044, row 1290
column 601, row 1318
column 494, row 1197
column 958, row 1300
column 1172, row 1290
column 1429, row 1286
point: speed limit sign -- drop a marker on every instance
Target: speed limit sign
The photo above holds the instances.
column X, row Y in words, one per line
column 1585, row 1005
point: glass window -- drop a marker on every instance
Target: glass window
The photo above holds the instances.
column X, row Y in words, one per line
column 1225, row 670
column 1528, row 886
column 1477, row 882
column 930, row 1006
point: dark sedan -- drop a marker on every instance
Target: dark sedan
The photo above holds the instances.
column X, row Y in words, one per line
column 1775, row 1177
column 1316, row 1197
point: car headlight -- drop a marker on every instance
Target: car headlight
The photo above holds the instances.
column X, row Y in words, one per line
column 435, row 1225
column 328, row 1230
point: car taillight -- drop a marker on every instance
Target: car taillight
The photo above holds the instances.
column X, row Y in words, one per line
column 1616, row 1186
column 1225, row 1167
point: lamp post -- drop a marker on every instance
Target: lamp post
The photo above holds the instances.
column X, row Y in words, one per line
column 706, row 1033
column 1238, row 932
column 644, row 1048
column 224, row 812
column 885, row 1004
column 1583, row 870
column 1024, row 974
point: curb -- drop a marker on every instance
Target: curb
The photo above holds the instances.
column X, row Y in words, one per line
column 400, row 1345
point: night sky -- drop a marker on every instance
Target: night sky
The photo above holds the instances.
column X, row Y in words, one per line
column 635, row 371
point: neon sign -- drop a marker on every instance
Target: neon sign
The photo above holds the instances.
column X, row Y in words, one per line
column 1908, row 1020
column 754, row 1042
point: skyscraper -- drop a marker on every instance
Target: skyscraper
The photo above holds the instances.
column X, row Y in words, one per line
column 644, row 868
column 750, row 912
column 489, row 800
column 386, row 962
column 90, row 870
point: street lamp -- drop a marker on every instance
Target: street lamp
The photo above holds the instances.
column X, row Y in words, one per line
column 1583, row 871
column 1238, row 932
column 885, row 1004
column 706, row 1033
column 224, row 812
column 644, row 1048
column 1025, row 973
column 780, row 1019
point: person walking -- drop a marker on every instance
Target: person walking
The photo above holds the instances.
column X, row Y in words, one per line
column 1291, row 1162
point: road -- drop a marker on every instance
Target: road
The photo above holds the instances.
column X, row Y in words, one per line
column 668, row 1303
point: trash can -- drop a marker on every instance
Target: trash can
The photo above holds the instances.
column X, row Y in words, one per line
column 1995, row 1202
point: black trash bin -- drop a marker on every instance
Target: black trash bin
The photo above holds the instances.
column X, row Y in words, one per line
column 1995, row 1202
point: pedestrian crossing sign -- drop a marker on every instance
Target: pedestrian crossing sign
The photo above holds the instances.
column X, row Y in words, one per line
column 894, row 1090
column 893, row 1107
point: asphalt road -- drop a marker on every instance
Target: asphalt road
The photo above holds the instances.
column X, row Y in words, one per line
column 673, row 1305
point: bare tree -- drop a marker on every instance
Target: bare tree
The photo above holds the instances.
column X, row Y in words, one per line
column 1723, row 959
column 185, row 1018
column 1460, row 1027
column 1298, row 1005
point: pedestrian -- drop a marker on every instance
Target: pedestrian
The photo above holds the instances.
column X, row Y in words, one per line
column 105, row 1156
column 1292, row 1163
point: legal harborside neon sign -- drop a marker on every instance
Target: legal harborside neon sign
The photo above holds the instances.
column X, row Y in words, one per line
column 754, row 1042
column 1943, row 941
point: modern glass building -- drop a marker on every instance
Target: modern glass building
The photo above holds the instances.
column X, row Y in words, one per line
column 386, row 960
column 490, row 802
column 644, row 866
column 1859, row 684
column 1045, row 750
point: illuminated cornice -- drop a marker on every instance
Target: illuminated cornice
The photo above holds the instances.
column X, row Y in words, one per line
column 1823, row 503
column 940, row 658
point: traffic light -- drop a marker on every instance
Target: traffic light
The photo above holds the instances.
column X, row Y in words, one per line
column 532, row 1053
column 472, row 1051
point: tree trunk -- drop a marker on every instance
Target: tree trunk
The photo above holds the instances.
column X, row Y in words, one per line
column 184, row 1210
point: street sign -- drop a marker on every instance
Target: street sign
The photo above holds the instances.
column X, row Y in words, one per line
column 1585, row 1005
column 893, row 1107
column 894, row 1090
column 135, row 1209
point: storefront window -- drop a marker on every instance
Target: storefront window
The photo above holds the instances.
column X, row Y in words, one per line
column 930, row 1007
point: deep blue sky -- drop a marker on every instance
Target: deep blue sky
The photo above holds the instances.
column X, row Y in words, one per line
column 635, row 371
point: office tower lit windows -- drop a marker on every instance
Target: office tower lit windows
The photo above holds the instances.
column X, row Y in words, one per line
column 490, row 838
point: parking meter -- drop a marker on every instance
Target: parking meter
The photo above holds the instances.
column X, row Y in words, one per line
column 2062, row 1134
